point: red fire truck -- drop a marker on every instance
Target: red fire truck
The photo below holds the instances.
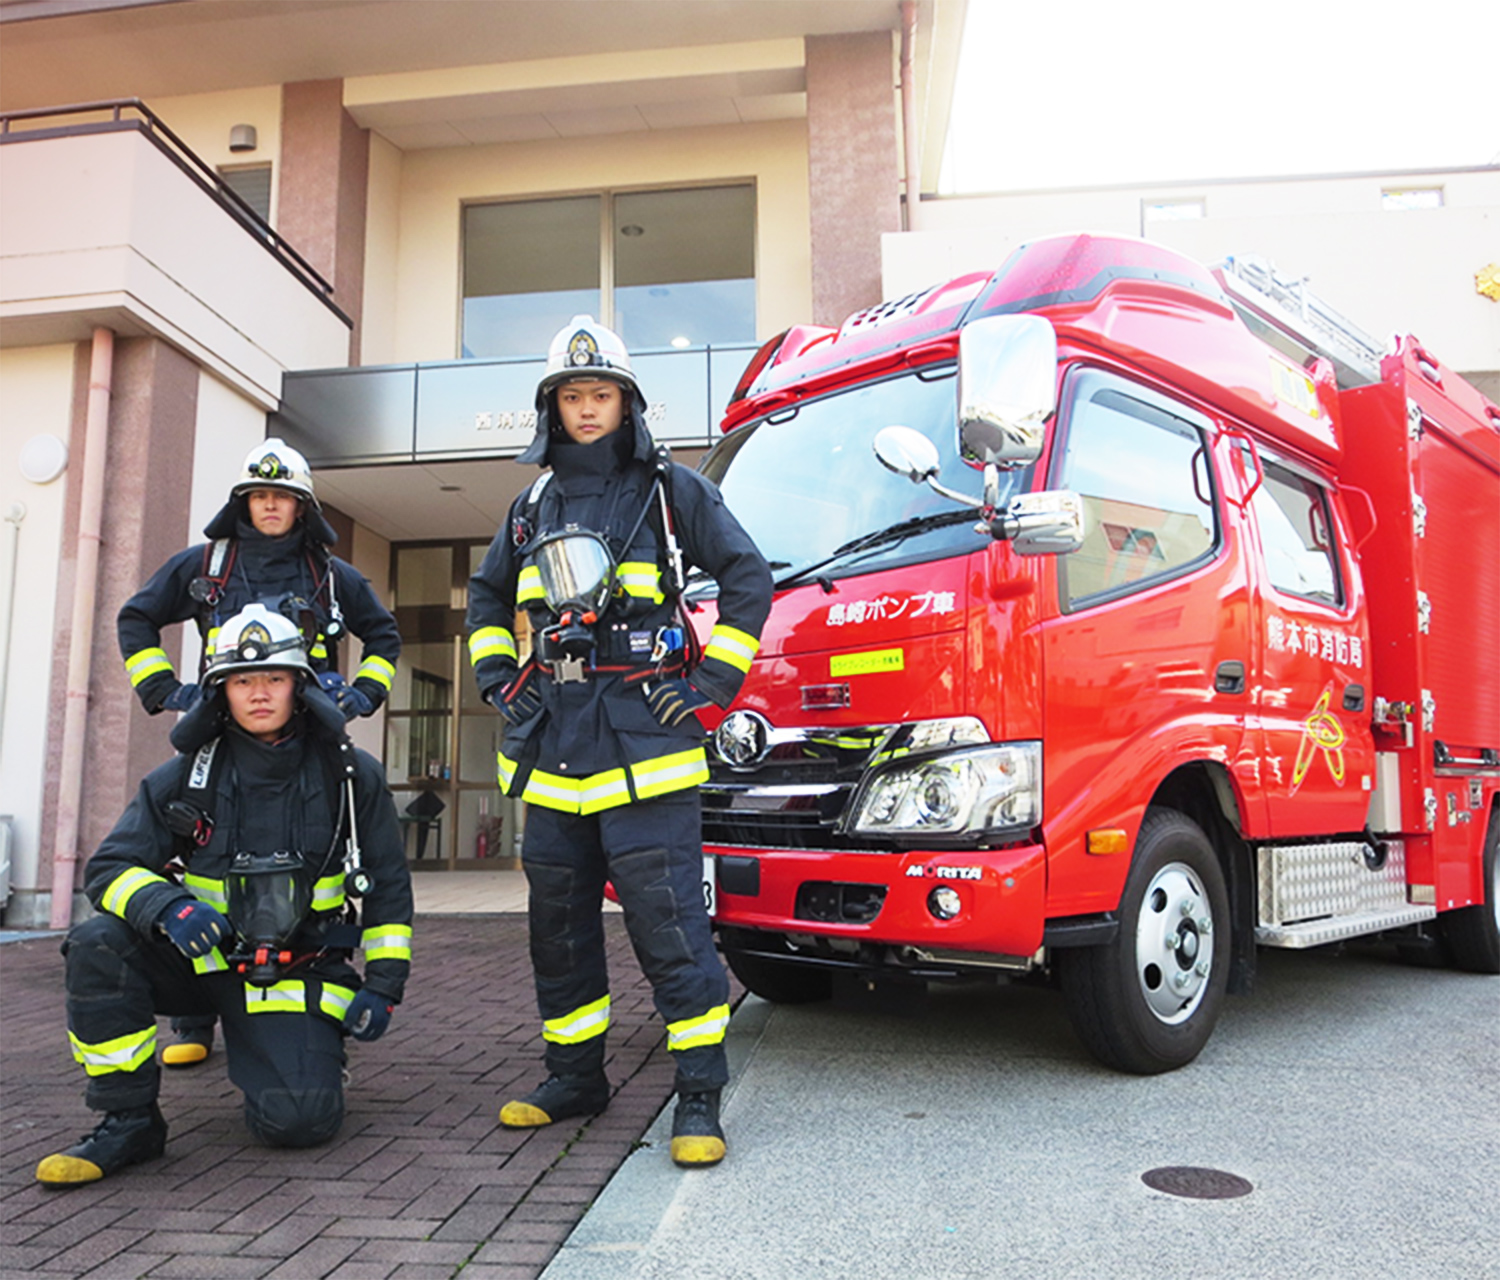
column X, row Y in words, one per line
column 1130, row 616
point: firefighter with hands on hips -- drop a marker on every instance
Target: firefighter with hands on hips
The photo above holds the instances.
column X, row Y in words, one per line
column 269, row 542
column 601, row 736
column 284, row 833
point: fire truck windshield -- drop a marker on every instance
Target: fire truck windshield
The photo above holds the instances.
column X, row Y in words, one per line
column 807, row 486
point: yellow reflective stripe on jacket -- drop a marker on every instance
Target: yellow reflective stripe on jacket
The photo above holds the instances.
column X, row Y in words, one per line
column 692, row 1033
column 318, row 649
column 334, row 1000
column 206, row 889
column 491, row 642
column 124, row 1053
column 529, row 585
column 328, row 893
column 731, row 646
column 641, row 579
column 386, row 942
column 666, row 774
column 209, row 640
column 145, row 664
column 582, row 1024
column 281, row 997
column 658, row 776
column 376, row 669
column 124, row 887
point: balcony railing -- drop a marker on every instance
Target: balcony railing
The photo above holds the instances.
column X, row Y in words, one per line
column 132, row 115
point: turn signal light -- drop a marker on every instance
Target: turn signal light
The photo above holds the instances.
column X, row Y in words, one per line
column 1108, row 840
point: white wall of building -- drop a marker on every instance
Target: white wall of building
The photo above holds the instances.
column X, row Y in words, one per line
column 1411, row 271
column 36, row 391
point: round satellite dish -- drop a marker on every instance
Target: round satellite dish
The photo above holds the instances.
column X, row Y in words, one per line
column 43, row 459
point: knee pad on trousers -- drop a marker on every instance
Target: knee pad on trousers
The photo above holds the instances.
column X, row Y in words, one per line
column 294, row 1118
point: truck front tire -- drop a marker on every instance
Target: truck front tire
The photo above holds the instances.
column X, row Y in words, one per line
column 780, row 982
column 1148, row 1001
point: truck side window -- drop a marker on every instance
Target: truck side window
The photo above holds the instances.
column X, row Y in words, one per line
column 1143, row 474
column 1296, row 539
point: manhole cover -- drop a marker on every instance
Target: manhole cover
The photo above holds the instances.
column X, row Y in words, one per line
column 1196, row 1184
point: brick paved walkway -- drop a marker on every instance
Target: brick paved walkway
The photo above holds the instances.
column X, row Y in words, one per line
column 421, row 1183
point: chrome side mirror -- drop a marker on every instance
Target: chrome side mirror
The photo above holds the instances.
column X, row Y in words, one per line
column 1007, row 388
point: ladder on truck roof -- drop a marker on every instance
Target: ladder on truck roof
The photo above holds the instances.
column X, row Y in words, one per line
column 1286, row 314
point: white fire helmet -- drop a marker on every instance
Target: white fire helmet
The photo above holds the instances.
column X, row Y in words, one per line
column 584, row 349
column 276, row 465
column 256, row 639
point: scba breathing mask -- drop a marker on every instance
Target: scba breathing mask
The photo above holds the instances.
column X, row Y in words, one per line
column 577, row 577
column 269, row 896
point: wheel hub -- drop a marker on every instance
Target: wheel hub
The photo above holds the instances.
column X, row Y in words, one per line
column 1173, row 950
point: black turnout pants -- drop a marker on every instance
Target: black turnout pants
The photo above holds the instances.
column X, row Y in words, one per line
column 652, row 852
column 289, row 1065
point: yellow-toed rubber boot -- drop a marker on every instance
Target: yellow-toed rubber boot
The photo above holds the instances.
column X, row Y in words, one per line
column 556, row 1099
column 123, row 1138
column 697, row 1139
column 193, row 1046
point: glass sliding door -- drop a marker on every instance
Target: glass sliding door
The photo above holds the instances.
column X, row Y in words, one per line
column 441, row 738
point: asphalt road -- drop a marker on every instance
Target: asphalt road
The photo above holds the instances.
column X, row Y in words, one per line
column 1359, row 1097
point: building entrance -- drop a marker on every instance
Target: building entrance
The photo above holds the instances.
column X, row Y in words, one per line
column 441, row 738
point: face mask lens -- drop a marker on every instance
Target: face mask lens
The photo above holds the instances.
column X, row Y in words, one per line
column 576, row 569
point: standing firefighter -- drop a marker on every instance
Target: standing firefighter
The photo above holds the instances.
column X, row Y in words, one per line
column 601, row 736
column 279, row 823
column 269, row 542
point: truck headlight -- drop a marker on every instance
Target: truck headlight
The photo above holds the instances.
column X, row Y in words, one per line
column 965, row 793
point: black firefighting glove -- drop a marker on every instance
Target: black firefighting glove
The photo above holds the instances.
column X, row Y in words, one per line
column 517, row 701
column 368, row 1015
column 183, row 698
column 194, row 927
column 673, row 701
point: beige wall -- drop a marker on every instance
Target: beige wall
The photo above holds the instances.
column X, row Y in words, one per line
column 158, row 257
column 203, row 121
column 1410, row 271
column 36, row 394
column 434, row 185
column 382, row 253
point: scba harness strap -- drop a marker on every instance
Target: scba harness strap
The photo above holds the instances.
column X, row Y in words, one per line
column 671, row 650
column 326, row 625
column 190, row 818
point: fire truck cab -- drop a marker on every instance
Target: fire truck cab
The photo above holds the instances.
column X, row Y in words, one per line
column 1129, row 616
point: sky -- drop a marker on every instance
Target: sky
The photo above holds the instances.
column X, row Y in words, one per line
column 1094, row 92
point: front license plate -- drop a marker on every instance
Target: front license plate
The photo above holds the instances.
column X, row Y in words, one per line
column 710, row 884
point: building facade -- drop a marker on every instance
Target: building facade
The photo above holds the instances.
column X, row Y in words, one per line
column 410, row 198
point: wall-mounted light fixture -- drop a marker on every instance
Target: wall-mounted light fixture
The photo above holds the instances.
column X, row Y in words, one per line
column 242, row 137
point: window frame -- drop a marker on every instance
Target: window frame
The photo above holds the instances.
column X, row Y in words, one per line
column 606, row 196
column 1270, row 458
column 1079, row 386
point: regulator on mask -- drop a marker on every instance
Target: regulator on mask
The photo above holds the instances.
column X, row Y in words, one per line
column 577, row 576
column 269, row 897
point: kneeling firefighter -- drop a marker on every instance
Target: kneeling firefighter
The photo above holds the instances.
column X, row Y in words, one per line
column 228, row 888
column 601, row 738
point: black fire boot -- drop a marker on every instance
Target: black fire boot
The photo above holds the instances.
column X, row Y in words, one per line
column 123, row 1138
column 697, row 1139
column 557, row 1099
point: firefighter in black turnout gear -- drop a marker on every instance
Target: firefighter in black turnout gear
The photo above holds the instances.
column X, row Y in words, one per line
column 228, row 888
column 601, row 737
column 269, row 542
